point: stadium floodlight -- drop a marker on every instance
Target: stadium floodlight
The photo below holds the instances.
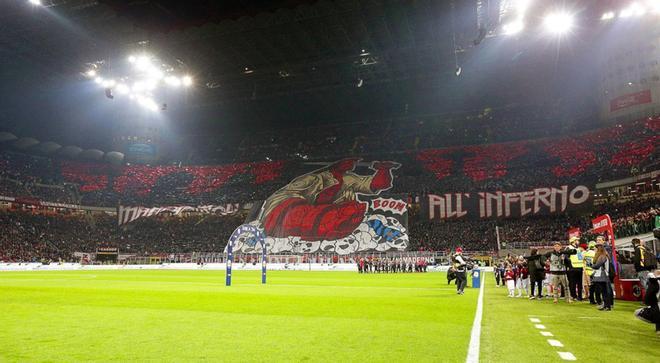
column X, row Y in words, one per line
column 187, row 81
column 98, row 80
column 148, row 103
column 150, row 84
column 522, row 5
column 607, row 16
column 635, row 9
column 513, row 27
column 559, row 23
column 35, row 2
column 131, row 59
column 138, row 86
column 122, row 89
column 109, row 83
column 173, row 81
column 91, row 73
column 142, row 62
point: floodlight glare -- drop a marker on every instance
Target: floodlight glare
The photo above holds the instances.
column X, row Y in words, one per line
column 654, row 5
column 187, row 81
column 173, row 81
column 150, row 84
column 35, row 2
column 122, row 89
column 634, row 9
column 138, row 86
column 131, row 59
column 90, row 73
column 109, row 83
column 522, row 5
column 155, row 73
column 148, row 103
column 607, row 16
column 142, row 62
column 98, row 80
column 559, row 23
column 513, row 27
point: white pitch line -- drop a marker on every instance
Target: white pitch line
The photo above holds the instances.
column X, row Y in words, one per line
column 555, row 343
column 547, row 334
column 535, row 320
column 566, row 356
column 475, row 335
column 539, row 326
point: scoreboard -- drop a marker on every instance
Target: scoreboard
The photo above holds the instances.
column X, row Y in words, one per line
column 104, row 254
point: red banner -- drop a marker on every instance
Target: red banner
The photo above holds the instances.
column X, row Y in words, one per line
column 603, row 224
column 631, row 99
column 573, row 232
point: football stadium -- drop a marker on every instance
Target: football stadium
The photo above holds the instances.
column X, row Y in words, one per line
column 329, row 181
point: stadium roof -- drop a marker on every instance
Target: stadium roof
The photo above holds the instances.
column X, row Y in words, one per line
column 276, row 62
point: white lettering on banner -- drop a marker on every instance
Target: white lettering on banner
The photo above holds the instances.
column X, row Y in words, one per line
column 508, row 199
column 130, row 214
column 563, row 193
column 389, row 205
column 446, row 205
column 436, row 201
column 524, row 198
column 541, row 195
column 584, row 195
column 459, row 204
column 507, row 204
column 602, row 223
column 490, row 198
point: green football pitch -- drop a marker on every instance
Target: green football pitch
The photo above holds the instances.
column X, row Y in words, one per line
column 298, row 316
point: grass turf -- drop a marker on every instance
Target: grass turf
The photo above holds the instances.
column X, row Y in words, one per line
column 298, row 316
column 192, row 316
column 508, row 335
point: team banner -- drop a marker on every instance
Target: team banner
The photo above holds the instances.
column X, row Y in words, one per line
column 334, row 209
column 574, row 232
column 538, row 201
column 130, row 214
column 629, row 100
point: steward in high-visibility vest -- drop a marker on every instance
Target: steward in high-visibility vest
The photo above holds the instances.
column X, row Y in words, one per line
column 588, row 258
column 588, row 261
column 577, row 259
column 575, row 271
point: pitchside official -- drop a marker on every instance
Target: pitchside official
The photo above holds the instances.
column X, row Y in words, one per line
column 460, row 265
column 588, row 261
column 644, row 262
column 575, row 269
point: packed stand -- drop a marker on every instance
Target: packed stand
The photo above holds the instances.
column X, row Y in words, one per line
column 32, row 237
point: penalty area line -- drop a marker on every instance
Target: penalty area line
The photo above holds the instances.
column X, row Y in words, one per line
column 475, row 335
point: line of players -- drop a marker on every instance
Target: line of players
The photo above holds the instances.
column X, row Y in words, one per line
column 391, row 265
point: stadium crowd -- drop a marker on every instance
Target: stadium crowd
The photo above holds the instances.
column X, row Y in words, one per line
column 29, row 236
column 613, row 151
column 607, row 153
column 32, row 235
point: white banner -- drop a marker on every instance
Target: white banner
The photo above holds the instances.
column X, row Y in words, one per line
column 130, row 214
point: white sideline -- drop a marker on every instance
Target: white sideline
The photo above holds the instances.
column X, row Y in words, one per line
column 475, row 336
column 566, row 356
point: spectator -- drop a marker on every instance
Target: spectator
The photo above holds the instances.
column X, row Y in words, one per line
column 601, row 277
